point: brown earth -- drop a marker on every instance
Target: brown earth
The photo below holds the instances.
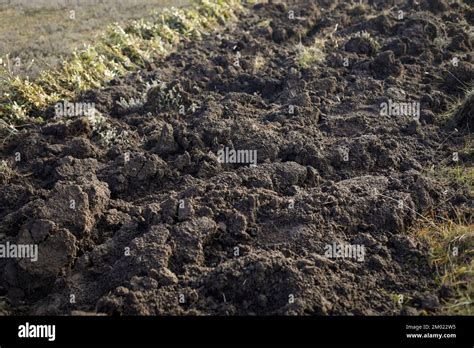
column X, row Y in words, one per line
column 160, row 226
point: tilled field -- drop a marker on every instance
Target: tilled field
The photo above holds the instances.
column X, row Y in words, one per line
column 135, row 213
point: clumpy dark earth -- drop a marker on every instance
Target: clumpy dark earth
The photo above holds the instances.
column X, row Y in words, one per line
column 159, row 226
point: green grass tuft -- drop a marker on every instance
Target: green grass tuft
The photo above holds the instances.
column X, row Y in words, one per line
column 309, row 56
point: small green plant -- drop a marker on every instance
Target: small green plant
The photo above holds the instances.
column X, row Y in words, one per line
column 165, row 96
column 398, row 299
column 110, row 136
column 309, row 56
column 368, row 36
column 104, row 132
column 130, row 104
column 258, row 62
column 134, row 104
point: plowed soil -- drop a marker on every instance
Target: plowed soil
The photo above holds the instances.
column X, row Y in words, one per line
column 160, row 226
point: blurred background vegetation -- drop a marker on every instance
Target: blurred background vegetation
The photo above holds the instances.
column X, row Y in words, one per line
column 39, row 34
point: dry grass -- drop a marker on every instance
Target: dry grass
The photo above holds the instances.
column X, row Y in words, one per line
column 462, row 176
column 451, row 241
column 451, row 245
